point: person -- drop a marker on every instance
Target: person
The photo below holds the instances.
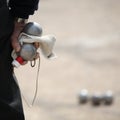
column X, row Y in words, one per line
column 13, row 17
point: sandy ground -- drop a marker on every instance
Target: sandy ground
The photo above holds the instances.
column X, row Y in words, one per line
column 87, row 46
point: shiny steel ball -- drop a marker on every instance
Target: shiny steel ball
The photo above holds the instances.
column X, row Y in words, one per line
column 28, row 52
column 83, row 96
column 108, row 97
column 96, row 99
column 33, row 28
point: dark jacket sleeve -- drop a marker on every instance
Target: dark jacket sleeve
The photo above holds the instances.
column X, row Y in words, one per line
column 23, row 8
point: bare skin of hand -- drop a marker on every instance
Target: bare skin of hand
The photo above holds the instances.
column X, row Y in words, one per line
column 18, row 27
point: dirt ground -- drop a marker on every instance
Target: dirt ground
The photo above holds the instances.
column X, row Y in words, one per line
column 87, row 46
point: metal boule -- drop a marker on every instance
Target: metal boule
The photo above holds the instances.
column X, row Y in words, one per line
column 28, row 52
column 96, row 99
column 33, row 28
column 83, row 96
column 108, row 97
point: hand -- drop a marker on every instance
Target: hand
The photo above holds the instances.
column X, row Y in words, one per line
column 18, row 27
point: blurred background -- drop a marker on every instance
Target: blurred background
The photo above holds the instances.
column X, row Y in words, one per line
column 87, row 46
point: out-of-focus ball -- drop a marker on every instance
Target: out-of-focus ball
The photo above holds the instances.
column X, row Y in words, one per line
column 108, row 97
column 83, row 96
column 96, row 99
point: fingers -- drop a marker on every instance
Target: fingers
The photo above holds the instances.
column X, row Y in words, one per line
column 37, row 45
column 37, row 56
column 15, row 44
column 18, row 27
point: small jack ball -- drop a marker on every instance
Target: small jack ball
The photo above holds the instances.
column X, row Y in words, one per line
column 83, row 96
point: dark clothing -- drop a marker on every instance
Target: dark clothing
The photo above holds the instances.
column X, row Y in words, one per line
column 23, row 8
column 10, row 99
